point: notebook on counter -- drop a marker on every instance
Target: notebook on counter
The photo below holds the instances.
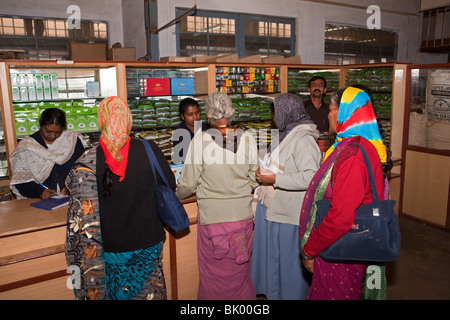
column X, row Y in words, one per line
column 51, row 203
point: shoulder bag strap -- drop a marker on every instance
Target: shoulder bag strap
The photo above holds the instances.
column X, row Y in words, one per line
column 370, row 172
column 154, row 162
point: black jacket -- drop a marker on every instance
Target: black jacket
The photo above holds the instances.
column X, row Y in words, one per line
column 129, row 220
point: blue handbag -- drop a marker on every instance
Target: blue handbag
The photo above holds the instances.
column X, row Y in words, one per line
column 170, row 209
column 375, row 235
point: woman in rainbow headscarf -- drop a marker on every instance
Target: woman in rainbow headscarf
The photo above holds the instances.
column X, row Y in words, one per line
column 344, row 181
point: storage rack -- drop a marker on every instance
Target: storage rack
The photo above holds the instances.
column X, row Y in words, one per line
column 116, row 78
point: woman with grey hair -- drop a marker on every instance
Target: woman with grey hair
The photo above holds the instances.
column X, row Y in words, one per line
column 220, row 168
column 285, row 174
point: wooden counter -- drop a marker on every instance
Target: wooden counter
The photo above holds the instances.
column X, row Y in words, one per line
column 18, row 216
column 183, row 257
column 32, row 261
column 33, row 264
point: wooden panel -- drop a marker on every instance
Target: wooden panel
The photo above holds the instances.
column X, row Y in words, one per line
column 426, row 186
column 55, row 289
column 187, row 266
column 32, row 268
column 283, row 85
column 394, row 190
column 397, row 111
column 191, row 210
column 166, row 265
column 31, row 241
column 121, row 81
column 7, row 112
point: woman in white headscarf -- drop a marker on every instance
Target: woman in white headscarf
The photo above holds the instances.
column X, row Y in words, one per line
column 41, row 162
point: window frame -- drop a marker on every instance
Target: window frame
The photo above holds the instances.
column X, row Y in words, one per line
column 240, row 36
column 364, row 46
column 39, row 43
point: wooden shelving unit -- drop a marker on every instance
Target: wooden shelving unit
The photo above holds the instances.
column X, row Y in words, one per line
column 180, row 250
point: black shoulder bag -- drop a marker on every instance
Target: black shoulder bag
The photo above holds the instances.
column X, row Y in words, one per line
column 170, row 209
column 375, row 235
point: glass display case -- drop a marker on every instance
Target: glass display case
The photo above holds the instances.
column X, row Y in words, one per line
column 429, row 108
column 153, row 91
column 426, row 145
column 76, row 91
column 31, row 87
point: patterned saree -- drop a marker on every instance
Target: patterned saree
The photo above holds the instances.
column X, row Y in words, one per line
column 355, row 119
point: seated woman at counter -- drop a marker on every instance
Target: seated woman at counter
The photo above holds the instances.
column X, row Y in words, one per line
column 190, row 113
column 40, row 163
column 220, row 169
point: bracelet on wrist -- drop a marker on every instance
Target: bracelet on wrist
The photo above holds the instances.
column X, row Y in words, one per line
column 305, row 256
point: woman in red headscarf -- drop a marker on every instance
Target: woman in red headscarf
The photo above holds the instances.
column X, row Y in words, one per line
column 131, row 233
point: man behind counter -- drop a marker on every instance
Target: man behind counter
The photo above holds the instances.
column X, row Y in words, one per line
column 315, row 106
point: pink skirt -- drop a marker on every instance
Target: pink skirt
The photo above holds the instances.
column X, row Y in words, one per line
column 224, row 260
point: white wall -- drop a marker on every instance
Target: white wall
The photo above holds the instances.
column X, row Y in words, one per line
column 127, row 23
column 106, row 10
column 311, row 16
column 134, row 26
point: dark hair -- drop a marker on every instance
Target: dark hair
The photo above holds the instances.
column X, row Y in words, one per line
column 316, row 78
column 185, row 103
column 53, row 116
column 336, row 97
column 272, row 107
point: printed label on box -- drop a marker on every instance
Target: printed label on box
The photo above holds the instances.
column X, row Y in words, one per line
column 158, row 86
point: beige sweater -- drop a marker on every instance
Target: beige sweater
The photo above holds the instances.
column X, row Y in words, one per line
column 299, row 155
column 222, row 180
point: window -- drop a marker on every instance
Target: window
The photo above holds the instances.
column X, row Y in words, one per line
column 212, row 33
column 267, row 37
column 356, row 45
column 199, row 35
column 46, row 38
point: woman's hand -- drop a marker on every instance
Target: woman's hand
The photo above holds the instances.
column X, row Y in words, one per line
column 65, row 192
column 308, row 264
column 265, row 176
column 47, row 193
column 308, row 261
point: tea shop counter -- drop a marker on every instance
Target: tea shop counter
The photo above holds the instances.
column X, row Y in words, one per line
column 33, row 264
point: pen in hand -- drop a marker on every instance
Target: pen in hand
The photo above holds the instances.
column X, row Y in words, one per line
column 47, row 193
column 42, row 185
